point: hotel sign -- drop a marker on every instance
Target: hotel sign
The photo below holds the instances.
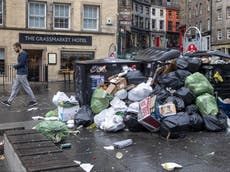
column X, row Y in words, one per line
column 54, row 39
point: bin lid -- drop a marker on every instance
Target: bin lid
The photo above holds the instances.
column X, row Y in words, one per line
column 153, row 54
column 207, row 53
column 106, row 61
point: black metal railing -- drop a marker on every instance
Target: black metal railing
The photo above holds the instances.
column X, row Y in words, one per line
column 38, row 75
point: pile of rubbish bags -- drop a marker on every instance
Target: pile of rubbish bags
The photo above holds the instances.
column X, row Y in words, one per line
column 177, row 100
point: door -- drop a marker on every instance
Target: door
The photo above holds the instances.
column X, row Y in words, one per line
column 34, row 64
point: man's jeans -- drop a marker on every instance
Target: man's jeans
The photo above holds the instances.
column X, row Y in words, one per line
column 21, row 80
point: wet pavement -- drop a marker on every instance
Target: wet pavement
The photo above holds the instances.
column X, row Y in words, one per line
column 197, row 152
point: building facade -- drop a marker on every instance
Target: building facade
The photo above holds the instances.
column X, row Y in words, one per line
column 55, row 33
column 221, row 28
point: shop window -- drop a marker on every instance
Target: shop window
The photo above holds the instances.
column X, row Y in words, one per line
column 37, row 15
column 68, row 58
column 91, row 17
column 2, row 61
column 1, row 12
column 62, row 16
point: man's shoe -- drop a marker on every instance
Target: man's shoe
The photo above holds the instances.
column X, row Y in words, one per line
column 6, row 103
column 32, row 103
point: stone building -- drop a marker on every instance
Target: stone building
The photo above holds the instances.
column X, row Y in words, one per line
column 55, row 33
column 221, row 25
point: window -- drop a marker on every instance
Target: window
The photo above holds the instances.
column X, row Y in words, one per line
column 161, row 13
column 147, row 23
column 62, row 16
column 141, row 24
column 219, row 14
column 147, row 10
column 177, row 15
column 169, row 25
column 219, row 34
column 91, row 17
column 200, row 8
column 209, row 25
column 153, row 24
column 37, row 15
column 136, row 7
column 153, row 11
column 200, row 26
column 177, row 26
column 170, row 14
column 68, row 58
column 161, row 24
column 1, row 12
column 2, row 61
column 228, row 12
column 228, row 33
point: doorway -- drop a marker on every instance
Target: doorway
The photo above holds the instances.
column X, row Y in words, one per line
column 34, row 64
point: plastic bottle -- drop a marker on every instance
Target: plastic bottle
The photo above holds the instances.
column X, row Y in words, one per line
column 123, row 143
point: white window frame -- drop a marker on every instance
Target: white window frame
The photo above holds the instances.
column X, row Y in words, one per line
column 37, row 27
column 209, row 25
column 163, row 23
column 1, row 12
column 97, row 18
column 69, row 17
column 153, row 21
column 228, row 12
column 219, row 35
column 219, row 14
column 228, row 33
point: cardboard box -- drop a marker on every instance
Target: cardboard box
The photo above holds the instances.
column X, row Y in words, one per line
column 167, row 109
column 144, row 116
column 120, row 82
column 111, row 89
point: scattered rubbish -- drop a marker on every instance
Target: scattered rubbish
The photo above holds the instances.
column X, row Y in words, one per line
column 170, row 166
column 34, row 108
column 211, row 154
column 123, row 143
column 70, row 123
column 75, row 132
column 37, row 117
column 85, row 166
column 65, row 145
column 92, row 126
column 109, row 147
column 2, row 157
column 119, row 155
column 52, row 118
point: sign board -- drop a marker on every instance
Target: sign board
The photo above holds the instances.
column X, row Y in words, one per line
column 54, row 39
column 127, row 23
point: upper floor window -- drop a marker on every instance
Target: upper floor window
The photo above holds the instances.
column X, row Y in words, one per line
column 219, row 34
column 91, row 17
column 228, row 33
column 200, row 8
column 209, row 25
column 147, row 10
column 2, row 61
column 169, row 25
column 1, row 12
column 62, row 16
column 177, row 15
column 37, row 15
column 219, row 14
column 153, row 11
column 170, row 14
column 153, row 24
column 177, row 26
column 161, row 13
column 228, row 12
column 161, row 24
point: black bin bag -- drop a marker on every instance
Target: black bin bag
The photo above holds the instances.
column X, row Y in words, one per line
column 186, row 94
column 175, row 126
column 131, row 122
column 84, row 116
column 196, row 121
column 179, row 103
column 216, row 122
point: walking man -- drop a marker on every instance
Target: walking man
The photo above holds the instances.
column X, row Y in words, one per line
column 21, row 77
